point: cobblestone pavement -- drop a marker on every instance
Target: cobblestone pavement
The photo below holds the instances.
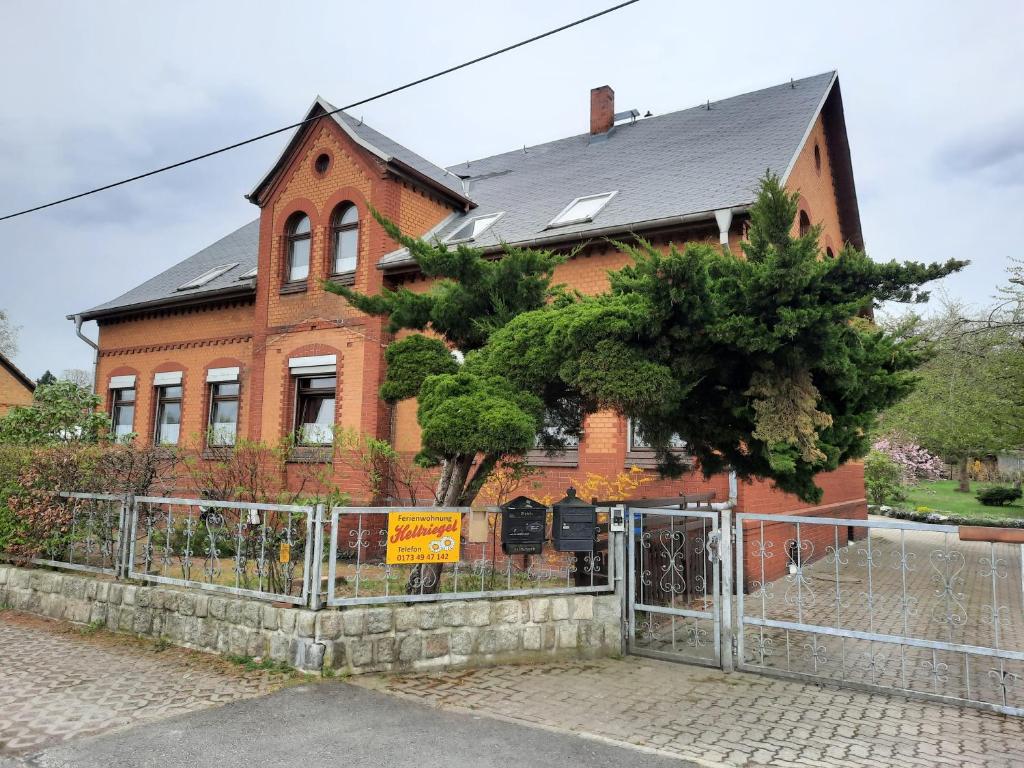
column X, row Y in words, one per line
column 720, row 719
column 59, row 681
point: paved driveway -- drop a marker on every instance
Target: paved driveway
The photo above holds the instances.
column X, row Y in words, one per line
column 716, row 718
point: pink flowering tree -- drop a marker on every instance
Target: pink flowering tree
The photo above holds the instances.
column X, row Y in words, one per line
column 915, row 462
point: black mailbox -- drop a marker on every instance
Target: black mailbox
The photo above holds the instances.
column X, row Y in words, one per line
column 523, row 522
column 574, row 524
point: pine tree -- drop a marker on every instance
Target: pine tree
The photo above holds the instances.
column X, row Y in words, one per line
column 766, row 364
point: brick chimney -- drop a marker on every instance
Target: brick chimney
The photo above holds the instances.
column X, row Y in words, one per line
column 602, row 109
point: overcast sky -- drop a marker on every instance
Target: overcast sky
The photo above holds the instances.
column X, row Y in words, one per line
column 934, row 98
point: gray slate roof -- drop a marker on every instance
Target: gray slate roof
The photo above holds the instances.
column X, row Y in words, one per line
column 240, row 247
column 680, row 163
column 390, row 149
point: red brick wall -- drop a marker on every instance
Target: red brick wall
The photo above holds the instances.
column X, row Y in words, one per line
column 12, row 391
column 190, row 341
column 262, row 336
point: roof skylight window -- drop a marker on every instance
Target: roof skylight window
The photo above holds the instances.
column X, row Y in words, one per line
column 582, row 209
column 473, row 228
column 248, row 275
column 206, row 277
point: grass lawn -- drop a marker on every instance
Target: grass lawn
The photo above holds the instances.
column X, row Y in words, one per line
column 942, row 496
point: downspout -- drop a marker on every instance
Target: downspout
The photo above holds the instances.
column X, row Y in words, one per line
column 733, row 494
column 96, row 348
column 723, row 217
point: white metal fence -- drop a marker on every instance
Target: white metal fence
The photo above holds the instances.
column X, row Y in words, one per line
column 92, row 538
column 295, row 554
column 241, row 548
column 358, row 571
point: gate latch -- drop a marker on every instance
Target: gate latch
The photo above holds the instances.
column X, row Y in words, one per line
column 714, row 542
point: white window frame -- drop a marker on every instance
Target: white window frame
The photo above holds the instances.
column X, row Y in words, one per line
column 494, row 217
column 557, row 222
column 206, row 277
column 248, row 275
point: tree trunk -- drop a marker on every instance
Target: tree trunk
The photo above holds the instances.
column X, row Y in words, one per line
column 425, row 579
column 964, row 475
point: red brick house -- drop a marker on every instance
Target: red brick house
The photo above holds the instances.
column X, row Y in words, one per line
column 15, row 387
column 241, row 340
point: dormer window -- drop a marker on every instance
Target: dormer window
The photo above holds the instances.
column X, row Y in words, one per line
column 206, row 277
column 473, row 228
column 298, row 235
column 344, row 239
column 582, row 209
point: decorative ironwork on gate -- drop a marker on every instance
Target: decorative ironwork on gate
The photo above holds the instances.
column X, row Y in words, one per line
column 882, row 604
column 674, row 597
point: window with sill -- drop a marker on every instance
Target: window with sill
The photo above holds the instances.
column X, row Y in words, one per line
column 168, row 414
column 314, row 409
column 558, row 442
column 122, row 418
column 298, row 237
column 223, row 428
column 638, row 445
column 344, row 239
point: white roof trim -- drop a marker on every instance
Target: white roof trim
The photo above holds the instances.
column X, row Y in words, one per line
column 122, row 382
column 222, row 374
column 167, row 379
column 810, row 127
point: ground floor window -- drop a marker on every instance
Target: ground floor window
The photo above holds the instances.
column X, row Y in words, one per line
column 223, row 413
column 122, row 417
column 168, row 415
column 314, row 409
column 638, row 443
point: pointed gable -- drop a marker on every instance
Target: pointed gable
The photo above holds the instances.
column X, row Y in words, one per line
column 397, row 159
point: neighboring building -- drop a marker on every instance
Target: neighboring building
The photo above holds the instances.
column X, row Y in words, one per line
column 15, row 387
column 241, row 339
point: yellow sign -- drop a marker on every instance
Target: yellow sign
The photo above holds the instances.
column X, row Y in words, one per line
column 424, row 537
column 284, row 553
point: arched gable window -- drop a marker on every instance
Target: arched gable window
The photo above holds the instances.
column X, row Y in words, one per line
column 298, row 235
column 344, row 239
column 805, row 223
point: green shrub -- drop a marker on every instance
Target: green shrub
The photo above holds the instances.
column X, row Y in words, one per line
column 997, row 496
column 883, row 479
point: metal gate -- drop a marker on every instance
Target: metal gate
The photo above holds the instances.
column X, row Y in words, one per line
column 926, row 610
column 678, row 607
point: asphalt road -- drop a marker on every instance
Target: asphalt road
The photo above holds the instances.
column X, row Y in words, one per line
column 331, row 724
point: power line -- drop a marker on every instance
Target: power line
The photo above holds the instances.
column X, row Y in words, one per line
column 367, row 100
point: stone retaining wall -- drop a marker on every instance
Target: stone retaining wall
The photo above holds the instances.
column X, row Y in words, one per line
column 395, row 636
